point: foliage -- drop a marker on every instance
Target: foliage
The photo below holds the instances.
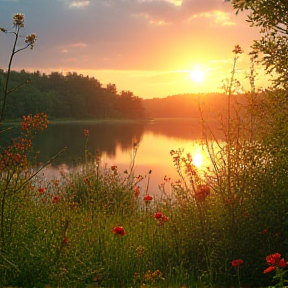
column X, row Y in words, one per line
column 69, row 96
column 272, row 18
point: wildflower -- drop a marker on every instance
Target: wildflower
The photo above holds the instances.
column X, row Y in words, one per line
column 55, row 199
column 202, row 192
column 86, row 180
column 237, row 262
column 134, row 142
column 18, row 20
column 269, row 269
column 265, row 231
column 237, row 49
column 56, row 182
column 147, row 199
column 118, row 230
column 30, row 40
column 86, row 132
column 161, row 218
column 41, row 190
column 158, row 215
column 136, row 191
column 274, row 261
column 164, row 219
column 65, row 240
column 140, row 251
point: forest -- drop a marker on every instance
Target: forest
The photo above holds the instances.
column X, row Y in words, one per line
column 70, row 96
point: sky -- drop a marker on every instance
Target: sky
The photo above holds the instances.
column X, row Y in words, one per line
column 149, row 47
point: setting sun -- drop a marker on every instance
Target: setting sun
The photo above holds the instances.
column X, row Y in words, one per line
column 197, row 159
column 197, row 75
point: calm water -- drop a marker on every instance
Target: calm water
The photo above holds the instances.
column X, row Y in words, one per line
column 114, row 140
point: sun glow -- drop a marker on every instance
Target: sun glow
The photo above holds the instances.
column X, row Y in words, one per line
column 197, row 75
column 197, row 159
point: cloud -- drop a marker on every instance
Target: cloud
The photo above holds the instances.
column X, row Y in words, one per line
column 218, row 17
column 80, row 44
column 79, row 4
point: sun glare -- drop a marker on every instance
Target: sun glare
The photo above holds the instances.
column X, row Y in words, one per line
column 197, row 159
column 197, row 75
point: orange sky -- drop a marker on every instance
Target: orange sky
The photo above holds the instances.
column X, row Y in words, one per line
column 148, row 47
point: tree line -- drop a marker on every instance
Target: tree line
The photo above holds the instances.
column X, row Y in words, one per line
column 67, row 96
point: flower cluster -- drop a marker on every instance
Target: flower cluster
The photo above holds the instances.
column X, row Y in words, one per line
column 86, row 132
column 274, row 262
column 119, row 230
column 152, row 278
column 237, row 262
column 161, row 218
column 15, row 154
column 18, row 20
column 237, row 49
column 202, row 192
column 30, row 40
column 147, row 199
column 32, row 124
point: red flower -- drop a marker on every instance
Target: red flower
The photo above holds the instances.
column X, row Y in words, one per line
column 136, row 191
column 158, row 215
column 274, row 261
column 202, row 192
column 269, row 269
column 41, row 190
column 118, row 230
column 265, row 231
column 55, row 199
column 164, row 219
column 86, row 132
column 147, row 198
column 237, row 262
column 65, row 240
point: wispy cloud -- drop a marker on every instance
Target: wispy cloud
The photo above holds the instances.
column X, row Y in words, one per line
column 80, row 44
column 218, row 17
column 78, row 4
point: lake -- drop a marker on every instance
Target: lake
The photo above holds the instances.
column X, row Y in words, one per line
column 113, row 138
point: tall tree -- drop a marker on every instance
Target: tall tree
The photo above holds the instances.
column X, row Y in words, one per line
column 272, row 18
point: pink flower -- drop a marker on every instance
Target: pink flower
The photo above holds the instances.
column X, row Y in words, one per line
column 237, row 262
